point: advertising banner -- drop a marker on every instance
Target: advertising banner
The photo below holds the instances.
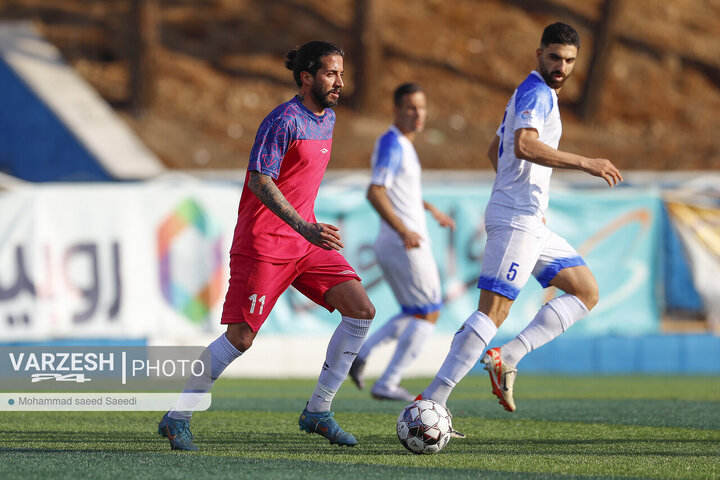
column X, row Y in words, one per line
column 114, row 261
column 617, row 232
column 150, row 259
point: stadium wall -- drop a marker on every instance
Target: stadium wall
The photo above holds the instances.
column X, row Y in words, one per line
column 56, row 127
column 147, row 262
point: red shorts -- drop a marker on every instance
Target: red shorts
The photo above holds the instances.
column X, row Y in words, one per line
column 256, row 285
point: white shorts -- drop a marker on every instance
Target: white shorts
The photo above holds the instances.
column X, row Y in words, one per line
column 412, row 276
column 511, row 255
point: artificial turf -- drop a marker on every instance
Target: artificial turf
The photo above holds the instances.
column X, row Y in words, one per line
column 565, row 427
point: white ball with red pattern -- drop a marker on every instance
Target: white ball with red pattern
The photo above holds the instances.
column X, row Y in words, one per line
column 424, row 426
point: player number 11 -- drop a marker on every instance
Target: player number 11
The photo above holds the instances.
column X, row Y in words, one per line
column 254, row 299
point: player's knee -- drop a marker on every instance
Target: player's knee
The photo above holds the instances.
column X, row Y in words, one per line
column 366, row 310
column 592, row 299
column 359, row 309
column 351, row 300
column 590, row 294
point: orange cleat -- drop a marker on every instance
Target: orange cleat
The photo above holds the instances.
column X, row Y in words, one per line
column 502, row 378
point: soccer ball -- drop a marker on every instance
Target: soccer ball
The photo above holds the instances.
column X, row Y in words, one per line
column 424, row 427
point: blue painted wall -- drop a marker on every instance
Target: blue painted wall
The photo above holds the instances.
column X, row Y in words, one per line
column 35, row 145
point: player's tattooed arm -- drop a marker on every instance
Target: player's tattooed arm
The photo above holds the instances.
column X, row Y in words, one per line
column 321, row 234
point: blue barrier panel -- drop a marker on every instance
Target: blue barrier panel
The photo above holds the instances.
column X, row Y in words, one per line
column 616, row 354
column 687, row 354
column 660, row 354
column 699, row 354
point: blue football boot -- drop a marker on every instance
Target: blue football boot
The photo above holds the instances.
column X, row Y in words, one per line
column 324, row 424
column 178, row 432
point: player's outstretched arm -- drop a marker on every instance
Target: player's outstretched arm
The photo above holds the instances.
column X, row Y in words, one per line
column 321, row 234
column 442, row 218
column 378, row 197
column 529, row 147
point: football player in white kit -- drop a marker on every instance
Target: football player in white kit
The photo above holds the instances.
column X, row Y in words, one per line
column 403, row 246
column 523, row 153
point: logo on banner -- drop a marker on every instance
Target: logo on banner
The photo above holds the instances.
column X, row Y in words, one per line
column 191, row 261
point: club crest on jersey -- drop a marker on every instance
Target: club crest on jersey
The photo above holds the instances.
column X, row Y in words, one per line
column 527, row 114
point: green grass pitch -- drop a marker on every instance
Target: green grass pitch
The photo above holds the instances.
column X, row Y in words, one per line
column 565, row 427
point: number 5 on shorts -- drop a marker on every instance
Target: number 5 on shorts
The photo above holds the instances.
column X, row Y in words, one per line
column 512, row 272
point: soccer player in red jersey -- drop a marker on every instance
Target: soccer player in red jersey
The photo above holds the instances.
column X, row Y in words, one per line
column 278, row 242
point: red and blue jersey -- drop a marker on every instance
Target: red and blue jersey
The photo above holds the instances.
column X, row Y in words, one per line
column 292, row 146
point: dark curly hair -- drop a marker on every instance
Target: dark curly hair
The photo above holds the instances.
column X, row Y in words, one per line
column 307, row 58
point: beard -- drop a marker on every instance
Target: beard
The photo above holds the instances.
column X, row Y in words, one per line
column 323, row 98
column 547, row 76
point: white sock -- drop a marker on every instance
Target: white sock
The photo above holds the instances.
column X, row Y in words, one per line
column 388, row 332
column 409, row 346
column 552, row 319
column 221, row 353
column 341, row 351
column 465, row 350
column 513, row 351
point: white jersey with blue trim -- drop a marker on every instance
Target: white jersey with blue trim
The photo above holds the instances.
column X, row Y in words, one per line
column 520, row 193
column 395, row 165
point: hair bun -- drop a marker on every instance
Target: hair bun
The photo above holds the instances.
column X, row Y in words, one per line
column 290, row 59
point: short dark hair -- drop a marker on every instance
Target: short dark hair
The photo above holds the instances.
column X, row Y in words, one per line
column 561, row 33
column 307, row 58
column 405, row 89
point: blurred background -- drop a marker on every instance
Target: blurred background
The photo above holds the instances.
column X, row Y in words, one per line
column 194, row 78
column 127, row 124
